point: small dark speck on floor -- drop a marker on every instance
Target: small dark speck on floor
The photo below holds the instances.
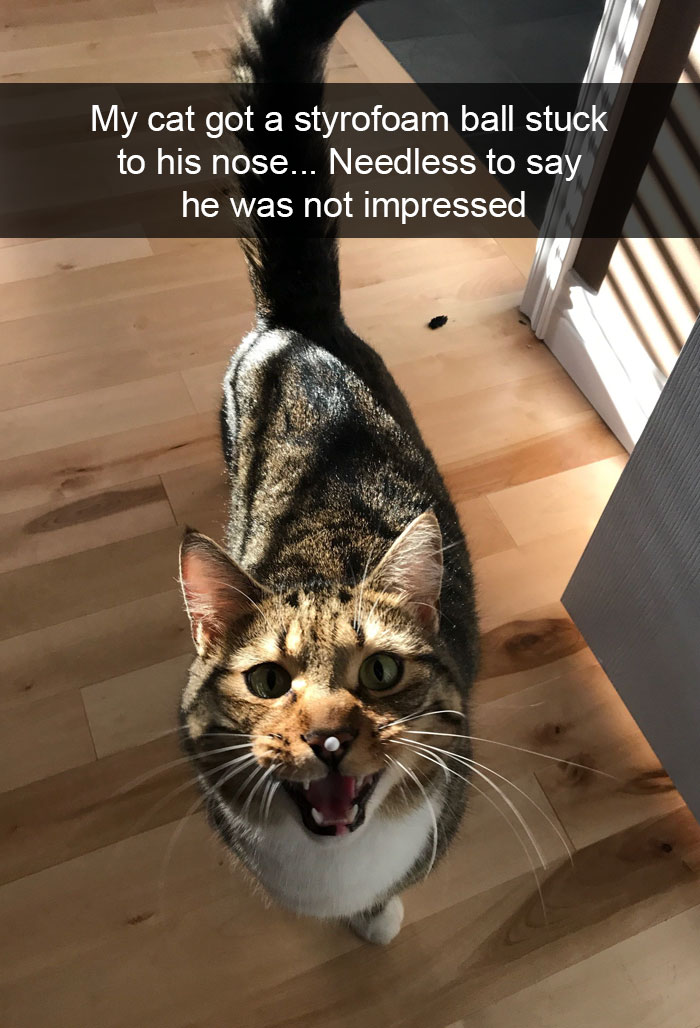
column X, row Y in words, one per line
column 438, row 321
column 140, row 918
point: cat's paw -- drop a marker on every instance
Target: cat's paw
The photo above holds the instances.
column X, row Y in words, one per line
column 383, row 927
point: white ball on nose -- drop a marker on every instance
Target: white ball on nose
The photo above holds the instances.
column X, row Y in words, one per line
column 331, row 744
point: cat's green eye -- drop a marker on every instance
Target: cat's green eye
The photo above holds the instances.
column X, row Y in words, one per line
column 268, row 681
column 380, row 671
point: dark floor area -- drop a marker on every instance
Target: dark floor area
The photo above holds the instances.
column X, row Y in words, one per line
column 488, row 40
column 514, row 42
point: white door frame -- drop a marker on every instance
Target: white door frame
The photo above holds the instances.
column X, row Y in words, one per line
column 583, row 331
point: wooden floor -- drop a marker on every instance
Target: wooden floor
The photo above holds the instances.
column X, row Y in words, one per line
column 118, row 908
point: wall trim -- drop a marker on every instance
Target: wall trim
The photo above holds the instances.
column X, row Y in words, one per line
column 596, row 347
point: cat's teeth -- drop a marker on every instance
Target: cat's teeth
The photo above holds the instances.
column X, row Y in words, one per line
column 353, row 814
column 361, row 781
column 306, row 783
column 318, row 818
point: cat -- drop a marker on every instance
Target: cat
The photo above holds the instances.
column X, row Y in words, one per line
column 342, row 603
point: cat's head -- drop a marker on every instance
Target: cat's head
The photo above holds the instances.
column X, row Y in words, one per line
column 303, row 696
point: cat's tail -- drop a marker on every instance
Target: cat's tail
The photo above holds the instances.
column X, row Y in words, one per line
column 279, row 65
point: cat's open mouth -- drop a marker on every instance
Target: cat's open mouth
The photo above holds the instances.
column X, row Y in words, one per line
column 334, row 805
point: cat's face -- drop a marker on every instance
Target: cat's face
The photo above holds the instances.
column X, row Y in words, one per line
column 310, row 686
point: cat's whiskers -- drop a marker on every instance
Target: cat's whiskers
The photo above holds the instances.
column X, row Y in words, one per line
column 164, row 800
column 490, row 800
column 430, row 808
column 162, row 768
column 401, row 783
column 202, row 799
column 227, row 733
column 272, row 789
column 412, row 717
column 264, row 797
column 171, row 845
column 253, row 774
column 506, row 799
column 246, row 762
column 449, row 546
column 474, row 764
column 521, row 749
column 261, row 612
column 188, row 813
column 358, row 606
column 239, row 763
column 374, row 606
column 255, row 788
column 492, row 742
column 419, row 603
column 280, row 611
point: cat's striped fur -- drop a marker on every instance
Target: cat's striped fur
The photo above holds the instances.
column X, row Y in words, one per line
column 342, row 544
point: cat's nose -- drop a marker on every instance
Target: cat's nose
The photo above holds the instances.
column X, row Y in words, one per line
column 330, row 744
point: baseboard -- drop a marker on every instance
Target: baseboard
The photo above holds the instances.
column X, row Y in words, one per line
column 608, row 364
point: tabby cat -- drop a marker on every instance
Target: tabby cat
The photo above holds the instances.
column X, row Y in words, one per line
column 342, row 603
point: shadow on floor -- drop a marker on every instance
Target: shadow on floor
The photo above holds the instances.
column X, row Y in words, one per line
column 488, row 40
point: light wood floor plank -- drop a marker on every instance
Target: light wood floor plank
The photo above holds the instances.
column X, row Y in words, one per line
column 43, row 738
column 486, row 532
column 95, row 54
column 31, row 31
column 135, row 708
column 578, row 718
column 43, row 14
column 453, row 283
column 199, row 497
column 110, row 642
column 630, row 982
column 134, row 355
column 113, row 942
column 35, row 259
column 69, row 587
column 374, row 58
column 93, row 806
column 571, row 499
column 459, row 960
column 480, row 363
column 44, row 533
column 518, row 411
column 67, row 473
column 538, row 645
column 640, row 786
column 41, row 426
column 189, row 263
column 548, row 453
column 363, row 261
column 169, row 316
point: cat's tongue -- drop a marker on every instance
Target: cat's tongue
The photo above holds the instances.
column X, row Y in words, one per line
column 333, row 796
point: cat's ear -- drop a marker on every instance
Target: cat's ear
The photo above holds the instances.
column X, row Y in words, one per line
column 412, row 568
column 217, row 592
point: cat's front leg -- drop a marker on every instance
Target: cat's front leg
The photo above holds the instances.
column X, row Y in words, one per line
column 379, row 926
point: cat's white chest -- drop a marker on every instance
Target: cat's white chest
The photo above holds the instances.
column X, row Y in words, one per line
column 334, row 878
